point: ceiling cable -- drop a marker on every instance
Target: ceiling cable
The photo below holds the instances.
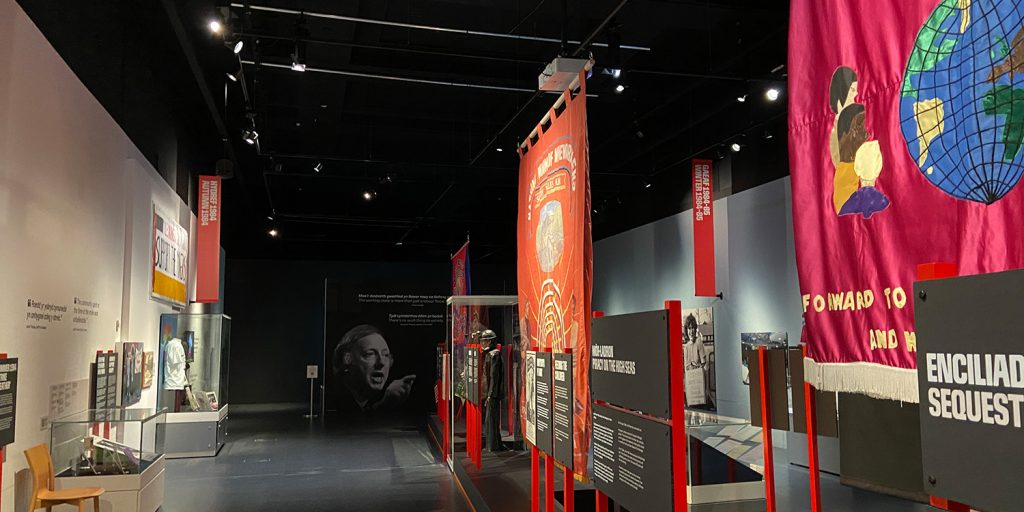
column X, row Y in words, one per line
column 431, row 28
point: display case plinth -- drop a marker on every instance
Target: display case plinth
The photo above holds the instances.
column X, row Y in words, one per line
column 143, row 492
column 195, row 434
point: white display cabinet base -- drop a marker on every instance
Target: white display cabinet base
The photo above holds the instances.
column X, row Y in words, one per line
column 195, row 434
column 124, row 493
column 726, row 493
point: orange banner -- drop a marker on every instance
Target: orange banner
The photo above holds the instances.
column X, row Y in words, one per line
column 555, row 259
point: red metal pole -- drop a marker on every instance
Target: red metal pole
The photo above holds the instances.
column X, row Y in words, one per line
column 534, row 479
column 601, row 501
column 766, row 426
column 568, row 491
column 549, row 483
column 677, row 387
column 812, row 443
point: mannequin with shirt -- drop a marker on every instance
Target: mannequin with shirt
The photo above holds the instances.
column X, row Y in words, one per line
column 175, row 369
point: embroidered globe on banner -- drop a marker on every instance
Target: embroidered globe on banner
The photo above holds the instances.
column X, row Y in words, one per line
column 962, row 98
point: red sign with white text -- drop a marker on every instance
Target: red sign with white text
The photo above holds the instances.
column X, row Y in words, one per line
column 703, row 230
column 208, row 242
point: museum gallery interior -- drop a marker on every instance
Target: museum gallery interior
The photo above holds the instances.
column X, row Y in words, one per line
column 516, row 255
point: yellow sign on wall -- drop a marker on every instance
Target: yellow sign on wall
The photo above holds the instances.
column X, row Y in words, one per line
column 170, row 260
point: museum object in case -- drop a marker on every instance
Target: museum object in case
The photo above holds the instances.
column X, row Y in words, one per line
column 468, row 317
column 193, row 382
column 120, row 450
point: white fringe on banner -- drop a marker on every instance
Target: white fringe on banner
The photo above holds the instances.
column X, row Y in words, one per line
column 871, row 379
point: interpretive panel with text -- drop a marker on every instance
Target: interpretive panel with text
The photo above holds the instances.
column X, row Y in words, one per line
column 543, row 388
column 970, row 365
column 629, row 362
column 562, row 401
column 632, row 459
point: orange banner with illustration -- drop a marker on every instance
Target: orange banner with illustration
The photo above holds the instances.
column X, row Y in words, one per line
column 555, row 259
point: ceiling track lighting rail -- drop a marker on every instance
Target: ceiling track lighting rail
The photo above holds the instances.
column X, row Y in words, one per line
column 431, row 28
column 424, row 81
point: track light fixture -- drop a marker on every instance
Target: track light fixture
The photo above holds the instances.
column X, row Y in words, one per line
column 369, row 195
column 647, row 184
column 499, row 149
column 250, row 136
column 237, row 47
column 772, row 94
column 232, row 77
column 742, row 99
column 215, row 26
column 619, row 88
column 736, row 147
column 318, row 167
column 273, row 233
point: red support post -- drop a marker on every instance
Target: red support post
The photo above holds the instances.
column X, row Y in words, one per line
column 766, row 427
column 549, row 483
column 810, row 412
column 601, row 500
column 534, row 479
column 677, row 387
column 926, row 272
column 568, row 491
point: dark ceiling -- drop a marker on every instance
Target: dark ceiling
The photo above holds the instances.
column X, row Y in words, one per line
column 417, row 116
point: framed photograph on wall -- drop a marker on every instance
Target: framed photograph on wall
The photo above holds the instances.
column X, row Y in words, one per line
column 148, row 363
column 699, row 358
column 131, row 373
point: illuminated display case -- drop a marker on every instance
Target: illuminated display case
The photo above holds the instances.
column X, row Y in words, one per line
column 193, row 382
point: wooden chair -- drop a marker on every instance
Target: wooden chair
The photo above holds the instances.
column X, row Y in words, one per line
column 43, row 494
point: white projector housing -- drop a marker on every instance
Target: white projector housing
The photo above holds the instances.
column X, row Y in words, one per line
column 560, row 73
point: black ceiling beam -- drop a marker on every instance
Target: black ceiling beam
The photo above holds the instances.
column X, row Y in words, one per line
column 400, row 49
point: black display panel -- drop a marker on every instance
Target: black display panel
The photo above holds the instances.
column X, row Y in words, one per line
column 544, row 416
column 632, row 459
column 629, row 362
column 104, row 385
column 562, row 406
column 473, row 375
column 8, row 399
column 970, row 366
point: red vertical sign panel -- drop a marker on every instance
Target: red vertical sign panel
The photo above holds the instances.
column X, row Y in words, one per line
column 703, row 230
column 208, row 241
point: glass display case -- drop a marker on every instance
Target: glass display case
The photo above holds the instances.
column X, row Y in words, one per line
column 102, row 442
column 725, row 462
column 193, row 382
column 193, row 367
column 476, row 320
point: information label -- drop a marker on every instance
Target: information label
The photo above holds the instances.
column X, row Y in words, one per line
column 632, row 459
column 473, row 375
column 562, row 401
column 8, row 399
column 544, row 418
column 629, row 362
column 970, row 367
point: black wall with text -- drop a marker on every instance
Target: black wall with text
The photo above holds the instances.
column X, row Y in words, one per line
column 277, row 312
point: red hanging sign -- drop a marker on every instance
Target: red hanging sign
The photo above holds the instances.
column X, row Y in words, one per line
column 703, row 231
column 208, row 241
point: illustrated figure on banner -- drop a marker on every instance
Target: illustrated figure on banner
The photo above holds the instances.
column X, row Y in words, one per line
column 362, row 365
column 857, row 161
column 699, row 357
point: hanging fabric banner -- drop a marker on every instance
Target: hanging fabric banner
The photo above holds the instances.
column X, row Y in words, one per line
column 460, row 314
column 905, row 148
column 555, row 259
column 703, row 231
column 208, row 240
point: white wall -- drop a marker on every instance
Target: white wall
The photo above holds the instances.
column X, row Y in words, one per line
column 756, row 270
column 75, row 221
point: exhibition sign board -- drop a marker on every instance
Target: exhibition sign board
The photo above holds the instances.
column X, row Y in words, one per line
column 170, row 260
column 530, row 397
column 208, row 240
column 971, row 377
column 703, row 230
column 104, row 387
column 542, row 386
column 555, row 253
column 562, row 405
column 8, row 399
column 632, row 459
column 630, row 353
column 896, row 161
